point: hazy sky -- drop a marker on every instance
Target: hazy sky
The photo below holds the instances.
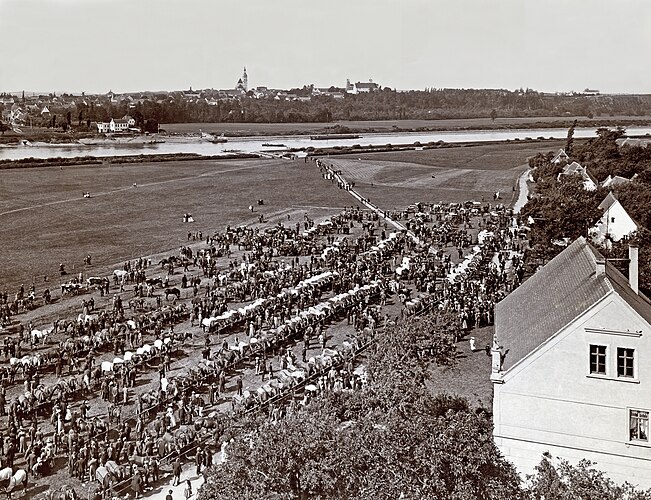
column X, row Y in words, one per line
column 130, row 45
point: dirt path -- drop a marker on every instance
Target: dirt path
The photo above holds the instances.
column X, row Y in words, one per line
column 523, row 192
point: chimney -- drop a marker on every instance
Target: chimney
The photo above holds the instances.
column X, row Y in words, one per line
column 632, row 268
column 601, row 266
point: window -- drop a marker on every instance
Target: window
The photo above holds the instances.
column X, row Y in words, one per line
column 612, row 219
column 625, row 358
column 639, row 425
column 598, row 359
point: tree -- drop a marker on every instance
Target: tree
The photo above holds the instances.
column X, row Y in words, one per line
column 570, row 139
column 393, row 439
column 582, row 481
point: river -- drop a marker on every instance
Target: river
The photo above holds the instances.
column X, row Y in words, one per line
column 255, row 144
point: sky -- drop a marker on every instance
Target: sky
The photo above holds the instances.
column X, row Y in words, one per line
column 135, row 45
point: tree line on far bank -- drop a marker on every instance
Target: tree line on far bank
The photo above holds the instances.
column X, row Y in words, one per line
column 385, row 104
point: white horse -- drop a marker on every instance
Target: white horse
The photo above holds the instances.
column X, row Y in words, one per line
column 6, row 473
column 41, row 335
column 19, row 477
column 86, row 318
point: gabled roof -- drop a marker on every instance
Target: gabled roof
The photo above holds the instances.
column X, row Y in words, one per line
column 618, row 180
column 608, row 201
column 561, row 154
column 555, row 296
column 573, row 168
column 366, row 85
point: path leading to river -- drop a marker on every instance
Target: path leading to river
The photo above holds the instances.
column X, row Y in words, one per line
column 523, row 192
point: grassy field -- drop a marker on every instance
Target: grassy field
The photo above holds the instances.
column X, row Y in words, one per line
column 45, row 221
column 388, row 125
column 398, row 179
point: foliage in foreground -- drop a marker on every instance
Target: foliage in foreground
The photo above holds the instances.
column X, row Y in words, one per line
column 567, row 482
column 392, row 440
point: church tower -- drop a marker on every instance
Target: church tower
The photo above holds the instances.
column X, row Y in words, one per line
column 245, row 80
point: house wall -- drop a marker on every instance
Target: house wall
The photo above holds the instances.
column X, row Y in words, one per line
column 589, row 185
column 622, row 226
column 550, row 402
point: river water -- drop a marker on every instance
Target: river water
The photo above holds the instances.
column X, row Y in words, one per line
column 255, row 144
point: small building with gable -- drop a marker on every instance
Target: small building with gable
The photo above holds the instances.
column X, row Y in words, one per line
column 574, row 168
column 560, row 157
column 614, row 224
column 617, row 180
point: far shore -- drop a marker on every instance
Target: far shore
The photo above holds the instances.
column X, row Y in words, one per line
column 191, row 131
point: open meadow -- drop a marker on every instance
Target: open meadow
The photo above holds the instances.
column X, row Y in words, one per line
column 137, row 209
column 397, row 179
column 45, row 220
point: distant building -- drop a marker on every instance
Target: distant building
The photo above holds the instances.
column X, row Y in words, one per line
column 570, row 370
column 113, row 126
column 633, row 141
column 560, row 157
column 243, row 83
column 589, row 183
column 614, row 224
column 361, row 87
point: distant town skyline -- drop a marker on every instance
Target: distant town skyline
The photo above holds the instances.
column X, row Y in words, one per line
column 161, row 45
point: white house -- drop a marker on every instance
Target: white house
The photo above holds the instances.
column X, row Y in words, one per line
column 615, row 223
column 560, row 157
column 361, row 87
column 618, row 180
column 113, row 126
column 571, row 367
column 574, row 168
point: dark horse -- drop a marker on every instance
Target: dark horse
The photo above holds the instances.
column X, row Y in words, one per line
column 172, row 291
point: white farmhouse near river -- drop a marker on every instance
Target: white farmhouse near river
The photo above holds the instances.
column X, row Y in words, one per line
column 114, row 126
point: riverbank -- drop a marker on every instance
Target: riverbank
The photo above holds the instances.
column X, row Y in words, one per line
column 92, row 160
column 377, row 126
column 191, row 131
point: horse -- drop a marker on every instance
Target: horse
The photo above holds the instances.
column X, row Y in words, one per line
column 173, row 291
column 97, row 281
column 154, row 282
column 19, row 477
column 41, row 335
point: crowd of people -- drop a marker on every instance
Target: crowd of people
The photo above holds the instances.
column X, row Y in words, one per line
column 261, row 299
